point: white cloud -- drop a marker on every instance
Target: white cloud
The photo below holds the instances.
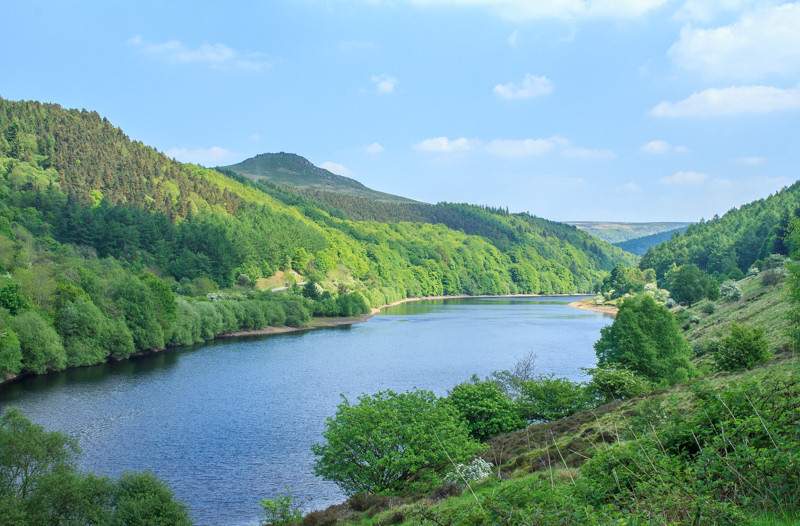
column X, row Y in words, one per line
column 373, row 148
column 524, row 147
column 561, row 9
column 656, row 147
column 690, row 178
column 705, row 11
column 445, row 145
column 752, row 161
column 531, row 86
column 588, row 153
column 217, row 56
column 731, row 101
column 629, row 187
column 255, row 137
column 512, row 38
column 213, row 156
column 384, row 83
column 336, row 168
column 659, row 147
column 761, row 42
column 512, row 147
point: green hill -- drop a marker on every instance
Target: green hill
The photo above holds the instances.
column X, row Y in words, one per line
column 728, row 246
column 113, row 248
column 614, row 232
column 293, row 170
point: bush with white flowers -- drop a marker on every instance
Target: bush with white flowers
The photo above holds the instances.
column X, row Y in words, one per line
column 476, row 470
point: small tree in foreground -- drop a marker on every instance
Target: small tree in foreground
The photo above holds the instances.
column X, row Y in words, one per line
column 645, row 339
column 390, row 442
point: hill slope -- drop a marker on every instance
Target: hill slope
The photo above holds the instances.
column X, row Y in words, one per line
column 109, row 235
column 296, row 171
column 729, row 245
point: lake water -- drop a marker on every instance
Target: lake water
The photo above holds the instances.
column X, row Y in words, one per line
column 231, row 422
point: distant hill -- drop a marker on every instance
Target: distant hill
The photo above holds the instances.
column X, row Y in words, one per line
column 640, row 245
column 614, row 232
column 293, row 170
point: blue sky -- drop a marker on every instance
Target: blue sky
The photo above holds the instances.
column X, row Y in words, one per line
column 627, row 110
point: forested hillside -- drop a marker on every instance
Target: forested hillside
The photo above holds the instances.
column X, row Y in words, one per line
column 728, row 246
column 109, row 247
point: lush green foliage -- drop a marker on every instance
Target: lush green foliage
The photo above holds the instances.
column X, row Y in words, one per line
column 100, row 234
column 391, row 443
column 281, row 511
column 697, row 470
column 485, row 408
column 645, row 339
column 616, row 383
column 625, row 280
column 688, row 284
column 742, row 348
column 40, row 484
column 547, row 398
column 727, row 246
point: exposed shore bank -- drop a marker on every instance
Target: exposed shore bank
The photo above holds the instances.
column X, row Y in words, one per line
column 585, row 304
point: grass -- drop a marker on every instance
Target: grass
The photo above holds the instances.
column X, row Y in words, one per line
column 787, row 518
column 759, row 305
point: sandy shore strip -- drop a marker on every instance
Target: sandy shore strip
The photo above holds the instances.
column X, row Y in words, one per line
column 376, row 310
column 586, row 305
column 315, row 323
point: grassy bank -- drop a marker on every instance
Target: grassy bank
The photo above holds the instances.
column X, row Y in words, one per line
column 721, row 449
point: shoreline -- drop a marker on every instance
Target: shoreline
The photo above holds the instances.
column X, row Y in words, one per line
column 376, row 310
column 328, row 322
column 604, row 309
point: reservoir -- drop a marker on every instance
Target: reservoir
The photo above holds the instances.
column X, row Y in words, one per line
column 231, row 422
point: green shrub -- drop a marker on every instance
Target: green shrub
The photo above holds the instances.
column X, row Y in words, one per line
column 486, row 410
column 616, row 383
column 742, row 348
column 281, row 511
column 392, row 443
column 546, row 398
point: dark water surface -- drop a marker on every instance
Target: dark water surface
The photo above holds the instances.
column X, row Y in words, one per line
column 231, row 422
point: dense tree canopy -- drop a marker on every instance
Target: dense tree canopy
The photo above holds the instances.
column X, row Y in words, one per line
column 727, row 246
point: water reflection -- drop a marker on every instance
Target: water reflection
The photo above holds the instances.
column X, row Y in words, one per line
column 231, row 422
